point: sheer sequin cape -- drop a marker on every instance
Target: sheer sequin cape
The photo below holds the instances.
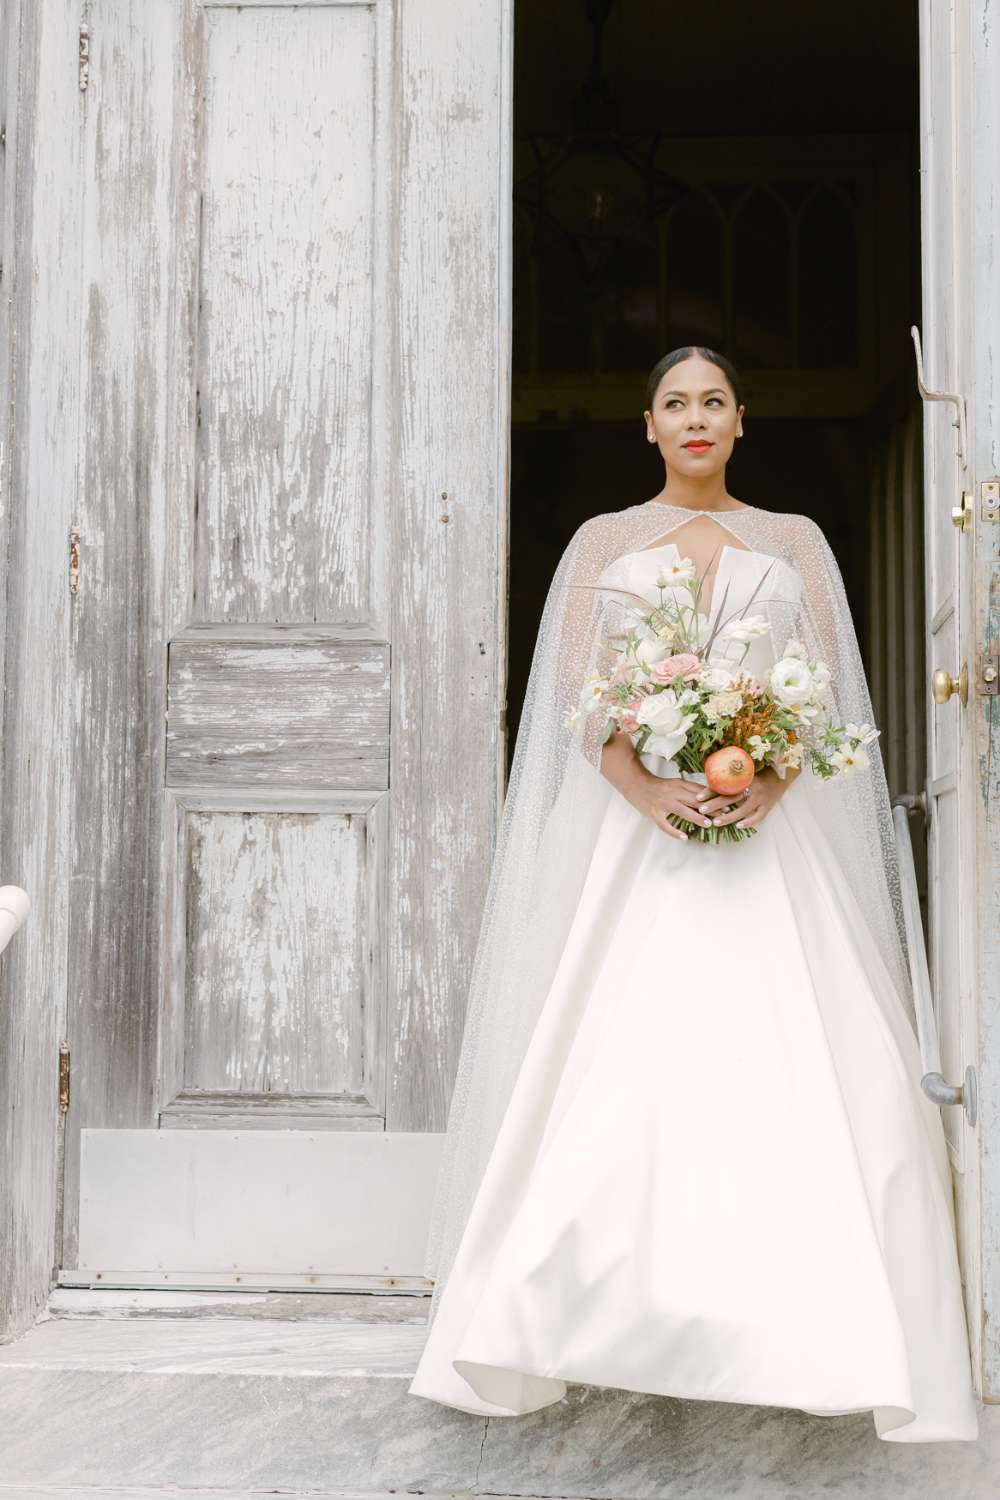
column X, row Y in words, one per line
column 556, row 798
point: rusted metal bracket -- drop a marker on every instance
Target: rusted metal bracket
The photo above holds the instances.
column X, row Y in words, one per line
column 63, row 1079
column 84, row 56
column 74, row 561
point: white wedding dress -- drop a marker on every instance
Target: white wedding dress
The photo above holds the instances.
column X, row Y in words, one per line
column 718, row 1176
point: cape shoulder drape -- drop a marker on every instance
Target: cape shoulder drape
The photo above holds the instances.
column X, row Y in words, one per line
column 556, row 798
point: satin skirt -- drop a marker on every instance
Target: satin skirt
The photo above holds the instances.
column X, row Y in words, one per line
column 717, row 1177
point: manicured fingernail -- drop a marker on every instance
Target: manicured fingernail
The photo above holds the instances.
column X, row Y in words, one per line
column 683, row 835
column 702, row 796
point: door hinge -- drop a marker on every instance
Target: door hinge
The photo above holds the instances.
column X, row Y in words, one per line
column 74, row 561
column 84, row 56
column 63, row 1079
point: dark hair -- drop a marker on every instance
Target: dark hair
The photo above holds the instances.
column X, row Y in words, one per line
column 687, row 351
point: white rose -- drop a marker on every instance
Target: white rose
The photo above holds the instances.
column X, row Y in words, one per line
column 667, row 721
column 791, row 682
column 795, row 648
column 718, row 676
column 651, row 650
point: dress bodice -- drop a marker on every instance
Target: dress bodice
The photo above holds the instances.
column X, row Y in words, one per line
column 739, row 569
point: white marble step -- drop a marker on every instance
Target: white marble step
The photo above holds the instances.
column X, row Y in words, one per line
column 76, row 1492
column 139, row 1405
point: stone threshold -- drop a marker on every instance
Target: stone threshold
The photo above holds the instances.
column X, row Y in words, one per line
column 103, row 1492
column 140, row 1400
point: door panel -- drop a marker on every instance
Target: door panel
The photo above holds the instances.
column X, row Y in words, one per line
column 275, row 1008
column 949, row 587
column 287, row 202
column 294, row 371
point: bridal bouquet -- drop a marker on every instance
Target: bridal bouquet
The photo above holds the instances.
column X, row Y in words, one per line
column 672, row 700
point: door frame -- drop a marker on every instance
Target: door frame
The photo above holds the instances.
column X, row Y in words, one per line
column 981, row 45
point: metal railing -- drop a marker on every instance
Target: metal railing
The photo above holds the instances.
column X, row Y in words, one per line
column 932, row 1081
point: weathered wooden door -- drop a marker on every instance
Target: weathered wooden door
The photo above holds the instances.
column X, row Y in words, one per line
column 287, row 642
column 951, row 788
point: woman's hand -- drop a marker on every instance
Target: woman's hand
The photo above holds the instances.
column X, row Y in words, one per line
column 652, row 795
column 766, row 789
column 656, row 796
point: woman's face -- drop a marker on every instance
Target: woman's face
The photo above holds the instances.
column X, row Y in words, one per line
column 694, row 404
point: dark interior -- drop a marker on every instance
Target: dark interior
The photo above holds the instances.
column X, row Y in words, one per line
column 742, row 177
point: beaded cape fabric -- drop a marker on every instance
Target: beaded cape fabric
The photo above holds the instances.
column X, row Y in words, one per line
column 556, row 798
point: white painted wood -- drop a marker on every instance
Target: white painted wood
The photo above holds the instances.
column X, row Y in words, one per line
column 131, row 372
column 982, row 268
column 947, row 339
column 294, row 713
column 281, row 1201
column 39, row 415
column 448, row 473
column 284, row 363
column 288, row 625
column 275, row 1000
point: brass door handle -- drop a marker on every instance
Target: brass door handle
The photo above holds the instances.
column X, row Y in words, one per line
column 943, row 684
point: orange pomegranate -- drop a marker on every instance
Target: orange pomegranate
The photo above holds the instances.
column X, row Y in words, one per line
column 728, row 769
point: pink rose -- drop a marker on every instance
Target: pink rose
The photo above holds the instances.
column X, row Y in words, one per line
column 685, row 664
column 628, row 721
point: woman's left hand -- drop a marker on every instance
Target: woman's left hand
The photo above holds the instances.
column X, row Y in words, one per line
column 766, row 789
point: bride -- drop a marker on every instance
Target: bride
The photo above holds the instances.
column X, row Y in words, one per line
column 688, row 1152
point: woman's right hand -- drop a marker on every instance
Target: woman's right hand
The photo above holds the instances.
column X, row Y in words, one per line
column 654, row 796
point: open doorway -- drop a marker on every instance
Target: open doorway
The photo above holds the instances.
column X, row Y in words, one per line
column 747, row 180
